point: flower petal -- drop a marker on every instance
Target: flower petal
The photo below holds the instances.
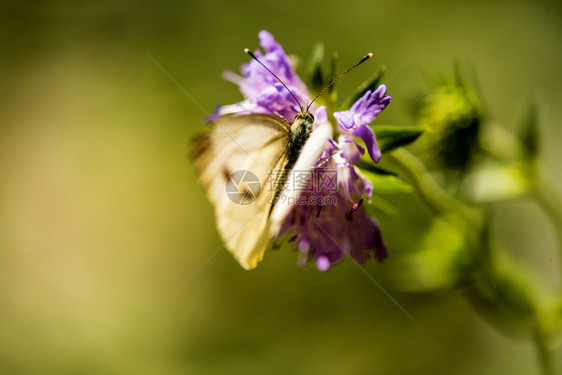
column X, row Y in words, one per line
column 364, row 110
column 368, row 136
column 349, row 149
column 356, row 120
column 323, row 263
column 321, row 115
column 268, row 42
column 345, row 120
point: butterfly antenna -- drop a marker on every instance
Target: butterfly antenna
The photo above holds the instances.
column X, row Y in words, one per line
column 248, row 52
column 365, row 58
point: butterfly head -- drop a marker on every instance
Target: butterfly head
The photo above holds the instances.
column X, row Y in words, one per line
column 301, row 127
column 304, row 116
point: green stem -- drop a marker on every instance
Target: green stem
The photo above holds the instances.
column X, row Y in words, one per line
column 549, row 199
column 544, row 353
column 441, row 203
column 429, row 191
column 544, row 190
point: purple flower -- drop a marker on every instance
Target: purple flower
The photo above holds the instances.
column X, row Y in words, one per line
column 329, row 221
column 356, row 120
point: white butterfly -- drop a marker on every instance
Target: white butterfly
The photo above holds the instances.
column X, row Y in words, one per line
column 258, row 143
column 248, row 212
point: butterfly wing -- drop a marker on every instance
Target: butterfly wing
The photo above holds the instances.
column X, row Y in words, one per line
column 234, row 162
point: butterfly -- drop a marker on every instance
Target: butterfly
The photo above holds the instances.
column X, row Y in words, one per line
column 235, row 161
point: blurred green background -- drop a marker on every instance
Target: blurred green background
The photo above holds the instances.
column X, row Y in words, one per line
column 102, row 217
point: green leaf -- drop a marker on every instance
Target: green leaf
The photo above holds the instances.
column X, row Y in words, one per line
column 387, row 184
column 315, row 74
column 391, row 137
column 379, row 205
column 370, row 84
column 366, row 164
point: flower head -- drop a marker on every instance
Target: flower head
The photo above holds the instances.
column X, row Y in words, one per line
column 331, row 223
column 451, row 115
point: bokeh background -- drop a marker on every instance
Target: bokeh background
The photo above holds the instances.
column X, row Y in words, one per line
column 102, row 218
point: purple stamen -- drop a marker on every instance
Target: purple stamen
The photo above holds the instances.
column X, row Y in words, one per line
column 356, row 206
